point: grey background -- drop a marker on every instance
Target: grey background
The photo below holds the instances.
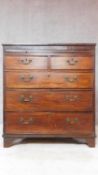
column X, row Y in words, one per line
column 47, row 21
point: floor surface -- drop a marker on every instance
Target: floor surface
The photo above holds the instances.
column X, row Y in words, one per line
column 48, row 158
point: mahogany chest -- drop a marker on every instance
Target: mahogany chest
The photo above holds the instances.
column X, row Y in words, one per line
column 49, row 91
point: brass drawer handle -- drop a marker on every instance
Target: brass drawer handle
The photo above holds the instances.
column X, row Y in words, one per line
column 71, row 79
column 26, row 122
column 25, row 61
column 72, row 98
column 72, row 61
column 24, row 99
column 72, row 121
column 25, row 79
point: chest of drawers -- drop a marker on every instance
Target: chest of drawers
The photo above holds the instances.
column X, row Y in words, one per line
column 49, row 91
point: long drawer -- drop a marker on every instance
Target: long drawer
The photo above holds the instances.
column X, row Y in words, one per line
column 48, row 123
column 48, row 100
column 60, row 61
column 30, row 79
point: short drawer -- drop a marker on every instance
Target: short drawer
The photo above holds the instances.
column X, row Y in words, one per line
column 48, row 123
column 72, row 62
column 26, row 62
column 48, row 100
column 48, row 80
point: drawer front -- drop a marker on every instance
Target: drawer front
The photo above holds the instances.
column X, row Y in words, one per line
column 26, row 62
column 48, row 123
column 48, row 100
column 66, row 61
column 72, row 62
column 48, row 80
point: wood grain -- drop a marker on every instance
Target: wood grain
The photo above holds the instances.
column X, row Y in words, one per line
column 26, row 62
column 36, row 79
column 48, row 123
column 48, row 100
column 72, row 62
column 60, row 61
column 49, row 91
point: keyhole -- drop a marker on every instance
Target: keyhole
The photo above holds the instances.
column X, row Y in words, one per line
column 48, row 75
